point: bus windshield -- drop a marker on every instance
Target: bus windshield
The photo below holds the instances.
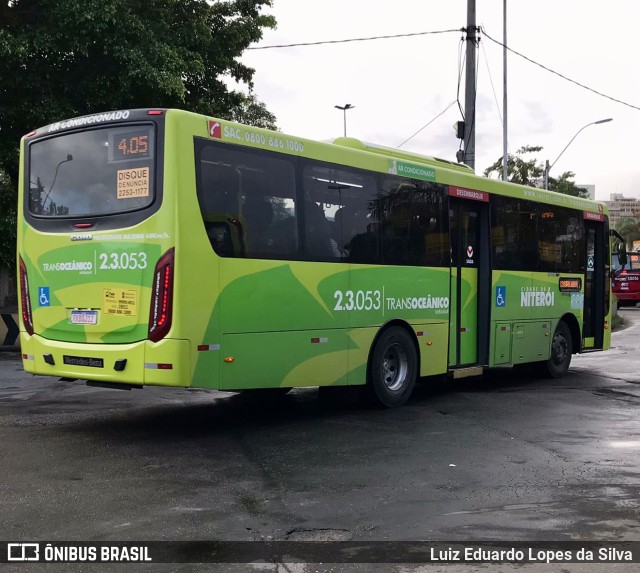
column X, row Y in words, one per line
column 92, row 173
column 633, row 262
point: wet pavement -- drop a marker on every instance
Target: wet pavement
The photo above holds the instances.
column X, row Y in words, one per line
column 505, row 457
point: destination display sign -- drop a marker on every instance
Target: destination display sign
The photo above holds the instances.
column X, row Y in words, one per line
column 570, row 284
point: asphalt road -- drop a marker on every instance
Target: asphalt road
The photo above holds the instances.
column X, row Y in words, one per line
column 503, row 457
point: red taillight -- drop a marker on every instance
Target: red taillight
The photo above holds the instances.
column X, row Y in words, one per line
column 27, row 318
column 160, row 313
column 155, row 112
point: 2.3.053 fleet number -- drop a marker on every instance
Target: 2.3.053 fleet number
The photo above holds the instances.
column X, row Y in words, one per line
column 358, row 300
column 117, row 261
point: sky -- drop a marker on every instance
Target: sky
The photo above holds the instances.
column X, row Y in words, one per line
column 399, row 85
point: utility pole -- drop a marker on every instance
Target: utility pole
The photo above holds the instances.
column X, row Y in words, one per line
column 470, row 88
column 505, row 148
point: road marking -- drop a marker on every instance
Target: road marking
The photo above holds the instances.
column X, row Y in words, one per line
column 627, row 445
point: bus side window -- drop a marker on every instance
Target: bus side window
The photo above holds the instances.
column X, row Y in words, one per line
column 270, row 227
column 560, row 239
column 514, row 234
column 225, row 238
column 258, row 215
column 220, row 216
column 413, row 222
column 364, row 244
column 244, row 195
column 317, row 231
column 348, row 224
column 283, row 238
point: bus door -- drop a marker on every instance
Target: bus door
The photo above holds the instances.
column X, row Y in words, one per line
column 469, row 286
column 594, row 284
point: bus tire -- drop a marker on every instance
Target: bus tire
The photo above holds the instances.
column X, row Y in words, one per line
column 561, row 350
column 393, row 368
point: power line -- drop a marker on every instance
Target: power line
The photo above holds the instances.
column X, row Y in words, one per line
column 495, row 97
column 484, row 32
column 344, row 41
column 428, row 124
column 462, row 58
column 493, row 88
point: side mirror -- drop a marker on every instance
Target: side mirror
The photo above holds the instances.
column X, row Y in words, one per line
column 621, row 251
column 622, row 254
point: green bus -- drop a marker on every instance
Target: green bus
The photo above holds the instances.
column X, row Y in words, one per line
column 162, row 247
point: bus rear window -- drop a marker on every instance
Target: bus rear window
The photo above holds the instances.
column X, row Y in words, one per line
column 91, row 173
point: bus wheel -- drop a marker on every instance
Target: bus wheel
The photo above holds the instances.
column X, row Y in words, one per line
column 561, row 349
column 393, row 368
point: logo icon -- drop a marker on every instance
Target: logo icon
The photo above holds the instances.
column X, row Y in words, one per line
column 501, row 296
column 43, row 296
column 215, row 129
column 590, row 262
column 470, row 252
column 23, row 551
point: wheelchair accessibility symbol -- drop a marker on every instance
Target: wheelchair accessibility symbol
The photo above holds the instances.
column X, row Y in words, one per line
column 501, row 296
column 43, row 296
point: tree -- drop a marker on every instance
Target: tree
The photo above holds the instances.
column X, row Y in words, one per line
column 629, row 228
column 7, row 222
column 530, row 172
column 253, row 112
column 65, row 58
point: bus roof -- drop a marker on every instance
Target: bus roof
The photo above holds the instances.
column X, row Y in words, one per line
column 397, row 153
column 459, row 174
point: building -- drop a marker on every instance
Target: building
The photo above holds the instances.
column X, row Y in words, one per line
column 621, row 207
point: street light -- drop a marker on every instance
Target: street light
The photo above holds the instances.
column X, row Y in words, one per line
column 69, row 158
column 344, row 111
column 548, row 167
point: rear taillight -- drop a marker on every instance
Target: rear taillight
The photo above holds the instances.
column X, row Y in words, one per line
column 160, row 313
column 27, row 318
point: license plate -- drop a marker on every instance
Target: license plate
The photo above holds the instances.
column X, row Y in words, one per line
column 84, row 317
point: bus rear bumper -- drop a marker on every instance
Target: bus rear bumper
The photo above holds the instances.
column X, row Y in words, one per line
column 628, row 296
column 165, row 363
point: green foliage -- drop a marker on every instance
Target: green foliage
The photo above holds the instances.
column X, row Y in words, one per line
column 519, row 170
column 253, row 112
column 530, row 172
column 7, row 222
column 629, row 228
column 563, row 185
column 64, row 58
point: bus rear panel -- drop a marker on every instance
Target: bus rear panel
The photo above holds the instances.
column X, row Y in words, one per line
column 96, row 252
